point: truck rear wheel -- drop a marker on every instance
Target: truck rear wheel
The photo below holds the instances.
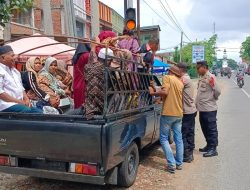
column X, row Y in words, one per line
column 128, row 170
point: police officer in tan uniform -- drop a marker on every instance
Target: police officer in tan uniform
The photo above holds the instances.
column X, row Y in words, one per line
column 207, row 96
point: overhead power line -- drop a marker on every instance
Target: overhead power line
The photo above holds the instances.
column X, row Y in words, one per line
column 174, row 21
column 227, row 47
column 169, row 16
column 160, row 16
column 172, row 13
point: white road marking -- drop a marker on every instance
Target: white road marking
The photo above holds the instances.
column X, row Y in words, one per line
column 243, row 90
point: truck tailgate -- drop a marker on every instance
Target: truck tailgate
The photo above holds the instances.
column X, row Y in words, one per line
column 50, row 139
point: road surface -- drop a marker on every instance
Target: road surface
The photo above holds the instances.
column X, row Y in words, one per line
column 229, row 171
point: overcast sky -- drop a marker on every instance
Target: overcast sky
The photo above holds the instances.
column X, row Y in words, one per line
column 196, row 17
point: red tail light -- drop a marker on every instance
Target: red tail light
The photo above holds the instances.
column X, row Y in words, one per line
column 4, row 161
column 89, row 170
column 83, row 169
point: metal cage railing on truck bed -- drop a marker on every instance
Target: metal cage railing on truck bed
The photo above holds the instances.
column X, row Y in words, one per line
column 126, row 92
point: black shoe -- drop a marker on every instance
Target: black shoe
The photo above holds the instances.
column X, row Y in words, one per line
column 179, row 167
column 205, row 149
column 210, row 153
column 171, row 169
column 188, row 159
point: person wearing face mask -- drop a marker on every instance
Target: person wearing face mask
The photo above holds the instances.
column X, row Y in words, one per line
column 13, row 97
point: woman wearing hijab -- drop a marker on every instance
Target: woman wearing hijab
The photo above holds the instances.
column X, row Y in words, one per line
column 130, row 43
column 47, row 80
column 29, row 80
column 110, row 38
column 80, row 59
column 64, row 76
column 94, row 73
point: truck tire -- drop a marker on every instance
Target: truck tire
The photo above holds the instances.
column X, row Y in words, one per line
column 128, row 169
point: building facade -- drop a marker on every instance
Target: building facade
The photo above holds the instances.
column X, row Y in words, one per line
column 88, row 16
column 148, row 32
column 65, row 18
column 105, row 15
column 29, row 22
column 81, row 17
column 117, row 22
column 45, row 17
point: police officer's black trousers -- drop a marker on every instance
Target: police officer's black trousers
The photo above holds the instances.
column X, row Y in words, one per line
column 188, row 127
column 208, row 123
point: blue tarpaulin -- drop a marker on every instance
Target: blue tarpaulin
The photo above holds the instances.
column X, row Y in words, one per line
column 158, row 63
column 160, row 67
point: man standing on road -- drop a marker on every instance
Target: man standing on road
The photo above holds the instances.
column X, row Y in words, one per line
column 172, row 112
column 189, row 110
column 207, row 95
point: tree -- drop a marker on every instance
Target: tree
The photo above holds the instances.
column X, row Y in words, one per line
column 209, row 53
column 245, row 49
column 209, row 50
column 176, row 55
column 7, row 6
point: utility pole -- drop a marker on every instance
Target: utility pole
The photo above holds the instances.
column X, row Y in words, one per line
column 95, row 22
column 214, row 27
column 130, row 3
column 138, row 21
column 125, row 7
column 181, row 47
column 7, row 29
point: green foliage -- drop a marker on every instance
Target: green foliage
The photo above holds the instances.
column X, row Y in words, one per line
column 245, row 49
column 187, row 54
column 192, row 71
column 6, row 8
column 176, row 55
column 209, row 50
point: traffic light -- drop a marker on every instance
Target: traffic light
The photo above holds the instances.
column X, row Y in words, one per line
column 130, row 19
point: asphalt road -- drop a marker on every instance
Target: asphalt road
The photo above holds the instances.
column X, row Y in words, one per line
column 229, row 171
column 234, row 127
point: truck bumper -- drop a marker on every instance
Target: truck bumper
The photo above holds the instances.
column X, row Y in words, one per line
column 99, row 180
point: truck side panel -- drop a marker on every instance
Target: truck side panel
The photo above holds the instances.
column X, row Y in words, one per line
column 121, row 133
column 62, row 141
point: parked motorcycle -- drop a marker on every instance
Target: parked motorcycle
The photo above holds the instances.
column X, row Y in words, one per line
column 240, row 81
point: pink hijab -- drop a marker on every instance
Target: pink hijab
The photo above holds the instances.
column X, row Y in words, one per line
column 104, row 35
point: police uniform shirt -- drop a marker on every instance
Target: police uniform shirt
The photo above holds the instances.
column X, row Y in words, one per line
column 208, row 93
